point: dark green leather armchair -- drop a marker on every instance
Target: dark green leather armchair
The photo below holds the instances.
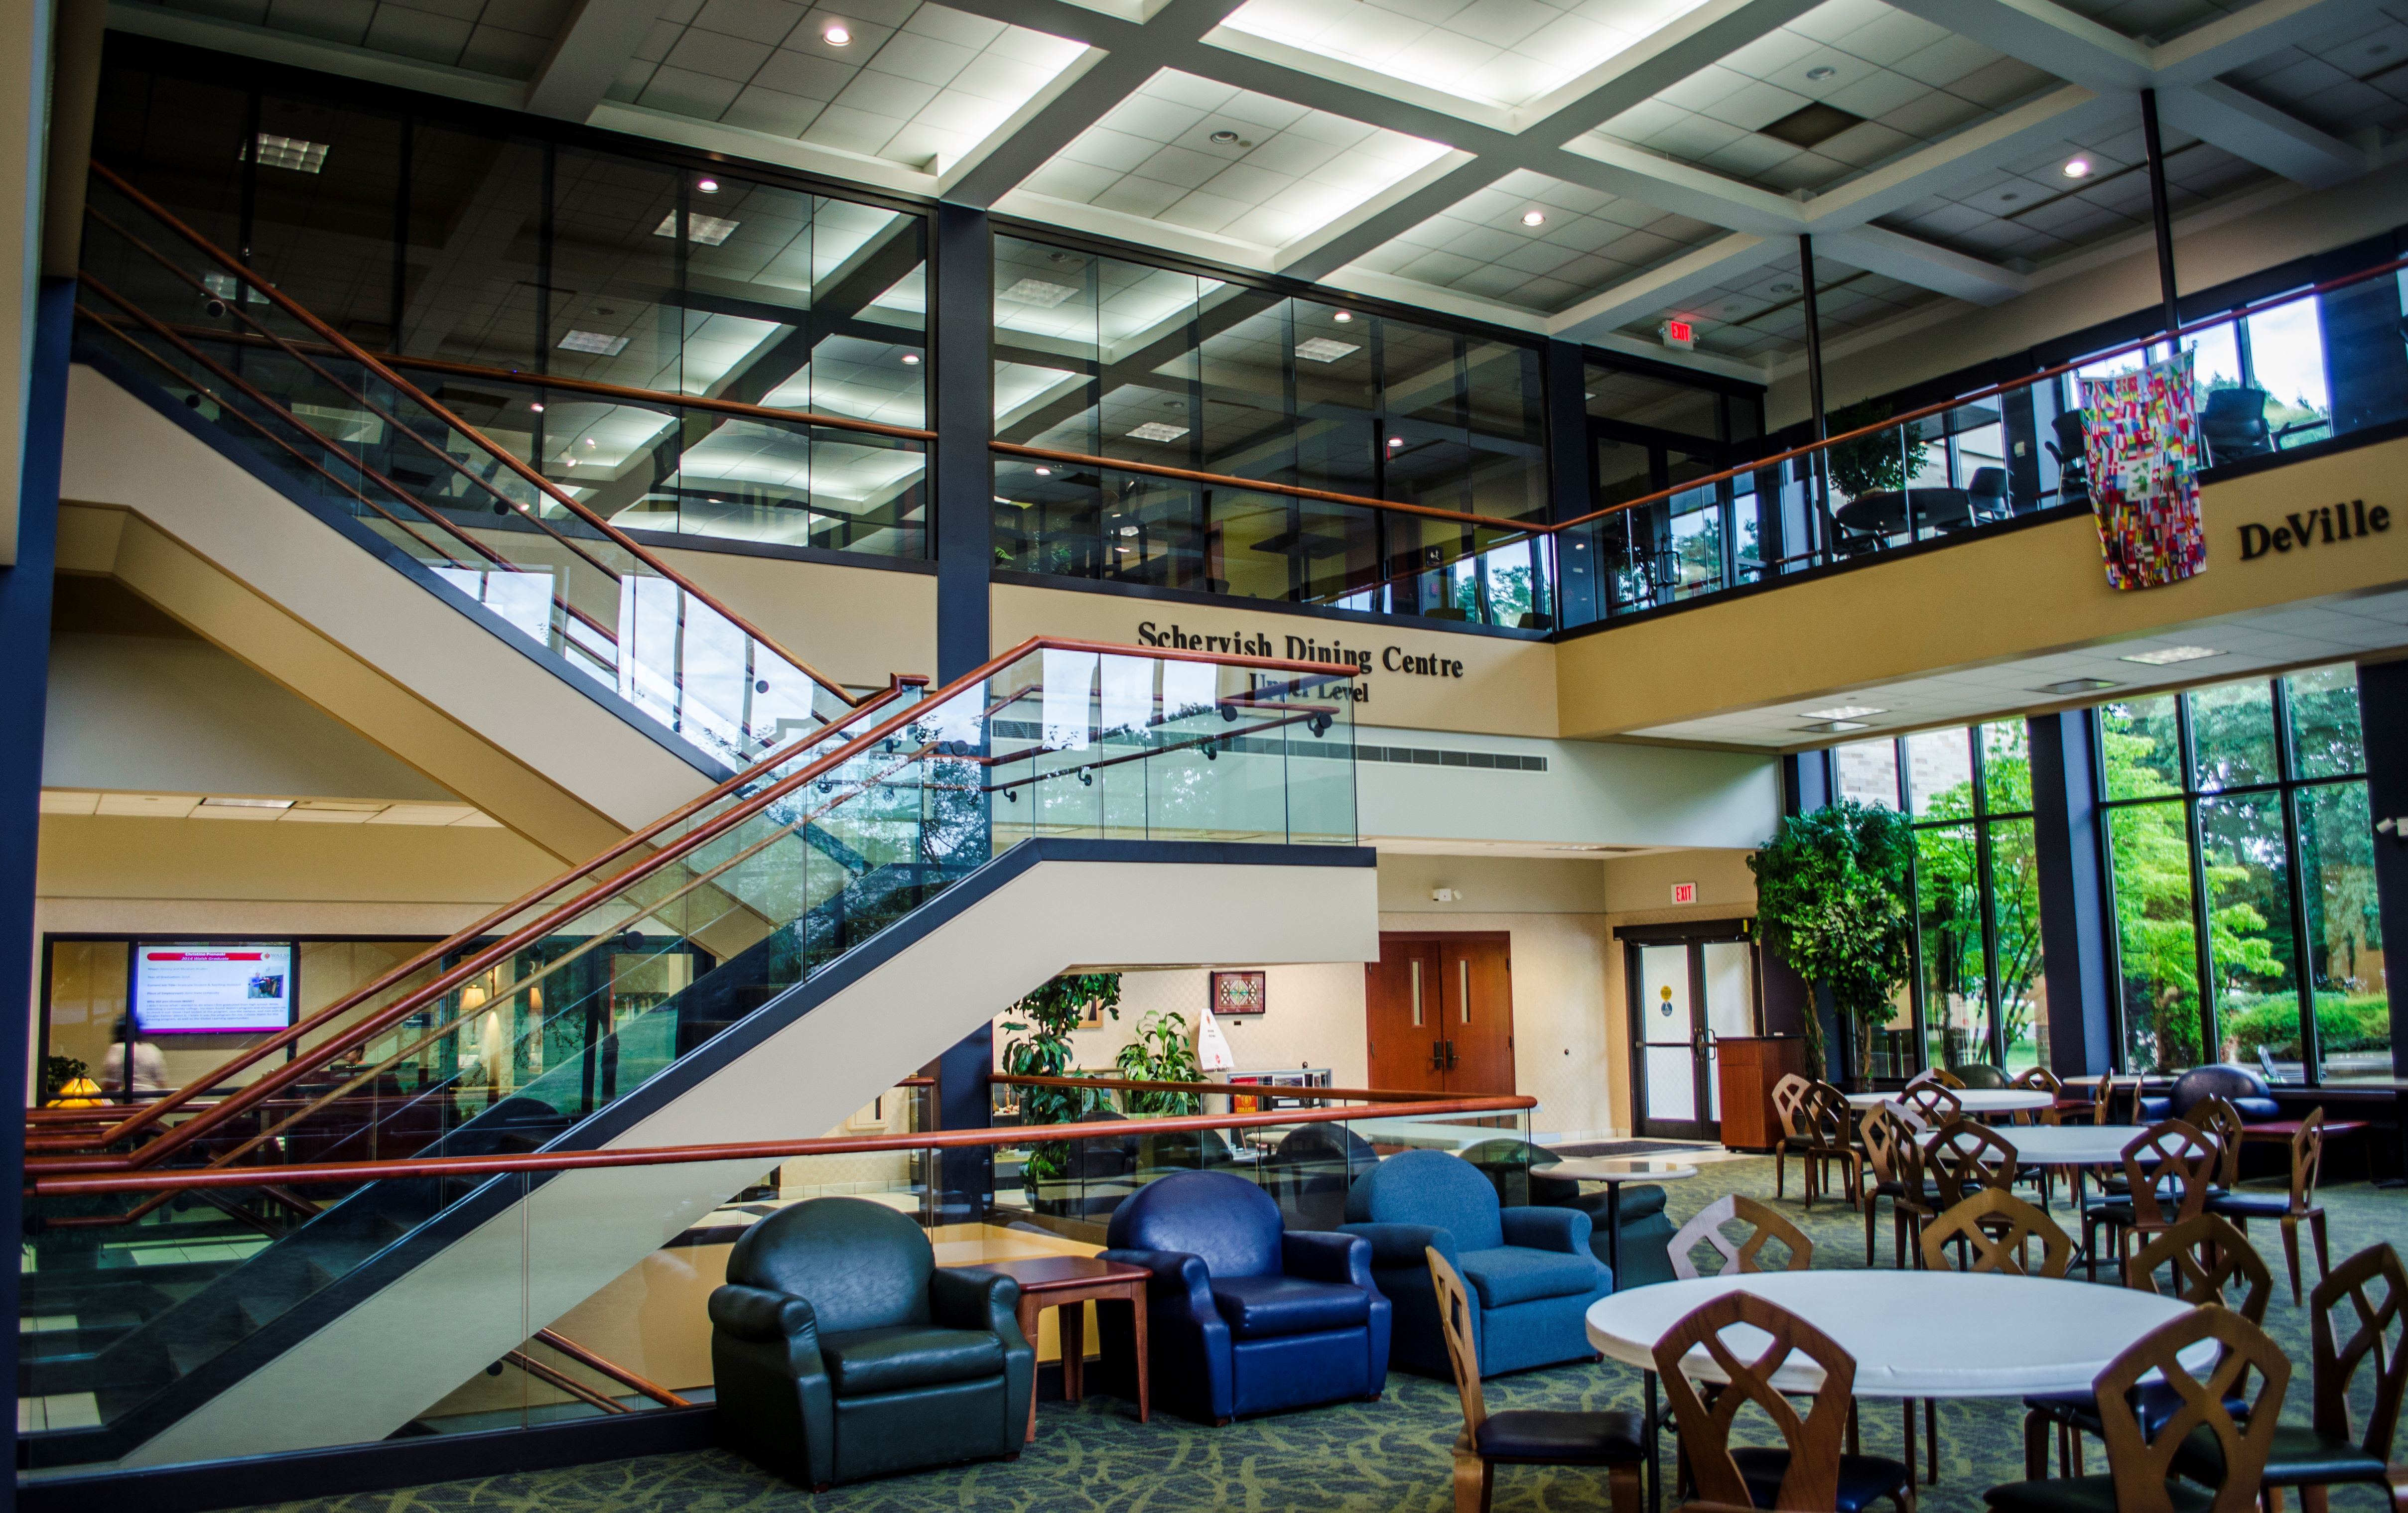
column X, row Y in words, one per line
column 842, row 1353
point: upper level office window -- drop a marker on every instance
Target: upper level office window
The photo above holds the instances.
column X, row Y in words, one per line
column 1112, row 360
column 1649, row 432
column 490, row 261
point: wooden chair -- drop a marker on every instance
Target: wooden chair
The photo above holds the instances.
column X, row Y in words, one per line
column 1993, row 1230
column 1788, row 1105
column 2169, row 1169
column 1931, row 1105
column 1831, row 1139
column 2210, row 1263
column 1965, row 1157
column 2040, row 1080
column 1614, row 1440
column 1938, row 1075
column 1812, row 1472
column 2290, row 1208
column 2216, row 1118
column 1707, row 1228
column 2142, row 1454
column 2322, row 1454
column 1894, row 1161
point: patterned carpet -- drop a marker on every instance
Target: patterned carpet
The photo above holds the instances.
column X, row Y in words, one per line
column 1359, row 1457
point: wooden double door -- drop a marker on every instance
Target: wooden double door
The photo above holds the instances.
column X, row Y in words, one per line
column 1438, row 1012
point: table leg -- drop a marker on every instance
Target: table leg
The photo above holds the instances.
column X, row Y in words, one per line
column 1072, row 1322
column 1031, row 1310
column 1906, row 1413
column 1613, row 1229
column 1144, row 1370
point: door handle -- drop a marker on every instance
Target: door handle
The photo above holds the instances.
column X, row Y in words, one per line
column 1450, row 1055
column 1437, row 1055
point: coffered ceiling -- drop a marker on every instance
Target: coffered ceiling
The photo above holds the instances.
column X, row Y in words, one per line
column 1585, row 168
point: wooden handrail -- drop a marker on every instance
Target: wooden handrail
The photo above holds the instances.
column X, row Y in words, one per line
column 765, row 1151
column 612, row 1369
column 557, row 495
column 133, row 1121
column 517, row 940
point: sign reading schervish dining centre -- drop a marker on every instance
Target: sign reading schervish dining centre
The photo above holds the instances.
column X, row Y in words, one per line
column 1392, row 659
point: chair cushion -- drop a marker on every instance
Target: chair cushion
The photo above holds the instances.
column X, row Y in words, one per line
column 2085, row 1494
column 2154, row 1109
column 2250, row 1204
column 866, row 1361
column 1640, row 1201
column 1864, row 1479
column 1257, row 1307
column 2153, row 1404
column 2299, row 1456
column 1609, row 1439
column 1511, row 1274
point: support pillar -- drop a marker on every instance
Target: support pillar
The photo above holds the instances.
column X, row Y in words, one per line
column 2073, row 919
column 2382, row 713
column 2160, row 210
column 1571, row 492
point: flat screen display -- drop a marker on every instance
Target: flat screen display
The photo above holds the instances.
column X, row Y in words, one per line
column 212, row 990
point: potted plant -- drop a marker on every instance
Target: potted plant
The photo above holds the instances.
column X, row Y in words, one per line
column 1162, row 1052
column 1832, row 897
column 1039, row 1045
column 1883, row 460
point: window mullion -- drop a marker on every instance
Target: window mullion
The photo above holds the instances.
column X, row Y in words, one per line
column 2201, row 912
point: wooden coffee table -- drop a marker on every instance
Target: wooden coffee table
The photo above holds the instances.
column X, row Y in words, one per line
column 1070, row 1283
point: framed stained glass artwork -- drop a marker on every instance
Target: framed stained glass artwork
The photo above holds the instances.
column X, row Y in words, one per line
column 1239, row 992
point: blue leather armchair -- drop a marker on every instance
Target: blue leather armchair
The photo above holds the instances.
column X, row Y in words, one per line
column 1529, row 1269
column 841, row 1353
column 1243, row 1316
column 1647, row 1239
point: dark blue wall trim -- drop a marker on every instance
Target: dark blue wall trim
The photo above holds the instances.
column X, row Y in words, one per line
column 149, row 393
column 960, row 328
column 25, row 686
column 2073, row 893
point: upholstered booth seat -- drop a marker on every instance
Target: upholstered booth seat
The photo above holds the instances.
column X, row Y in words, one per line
column 1242, row 1314
column 1530, row 1271
column 2247, row 1090
column 841, row 1353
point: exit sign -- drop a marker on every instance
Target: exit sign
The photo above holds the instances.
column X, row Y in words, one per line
column 1680, row 333
column 1685, row 892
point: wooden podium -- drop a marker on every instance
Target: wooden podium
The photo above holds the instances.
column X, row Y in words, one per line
column 1749, row 1066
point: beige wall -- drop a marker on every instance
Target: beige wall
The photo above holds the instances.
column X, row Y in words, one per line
column 854, row 625
column 1507, row 686
column 1638, row 890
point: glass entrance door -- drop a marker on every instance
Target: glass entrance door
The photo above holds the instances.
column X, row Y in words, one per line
column 1685, row 995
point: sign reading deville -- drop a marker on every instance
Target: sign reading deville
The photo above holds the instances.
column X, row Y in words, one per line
column 2323, row 526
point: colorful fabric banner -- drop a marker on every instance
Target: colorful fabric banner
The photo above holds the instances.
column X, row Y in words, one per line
column 2140, row 449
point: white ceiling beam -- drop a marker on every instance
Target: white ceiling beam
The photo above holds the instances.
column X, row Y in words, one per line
column 1977, row 148
column 2259, row 133
column 2048, row 36
column 2227, row 42
column 592, row 45
column 1910, row 259
column 1401, row 206
column 1635, row 299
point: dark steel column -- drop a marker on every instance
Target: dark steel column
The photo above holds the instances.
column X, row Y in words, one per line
column 24, row 688
column 2074, row 921
column 961, row 496
column 1818, row 491
column 2161, row 214
column 1571, row 492
column 2383, row 714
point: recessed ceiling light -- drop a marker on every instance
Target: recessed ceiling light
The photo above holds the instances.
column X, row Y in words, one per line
column 1784, row 288
column 710, row 230
column 2166, row 656
column 1156, row 431
column 594, row 342
column 1534, row 218
column 1343, row 317
column 1841, row 711
column 2076, row 685
column 1395, row 441
column 1821, row 72
column 1044, row 472
column 910, row 359
column 1836, row 727
column 1038, row 292
column 538, row 409
column 1225, row 139
column 1322, row 349
column 2077, row 167
column 709, row 186
column 836, row 36
column 291, row 152
column 245, row 804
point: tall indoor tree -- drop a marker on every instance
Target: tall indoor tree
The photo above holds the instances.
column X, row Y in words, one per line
column 1831, row 896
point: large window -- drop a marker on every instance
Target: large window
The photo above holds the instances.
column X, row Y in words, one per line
column 1099, row 357
column 489, row 263
column 2241, row 856
column 1976, row 994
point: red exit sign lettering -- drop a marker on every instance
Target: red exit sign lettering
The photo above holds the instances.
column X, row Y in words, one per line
column 1685, row 892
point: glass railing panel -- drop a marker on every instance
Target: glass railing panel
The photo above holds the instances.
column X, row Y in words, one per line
column 343, row 436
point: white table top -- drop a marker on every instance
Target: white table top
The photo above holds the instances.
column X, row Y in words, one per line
column 2070, row 1145
column 1913, row 1334
column 1971, row 1100
column 1616, row 1169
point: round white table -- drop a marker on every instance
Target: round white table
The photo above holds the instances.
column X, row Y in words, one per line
column 1913, row 1334
column 1971, row 1100
column 1613, row 1171
column 2070, row 1145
